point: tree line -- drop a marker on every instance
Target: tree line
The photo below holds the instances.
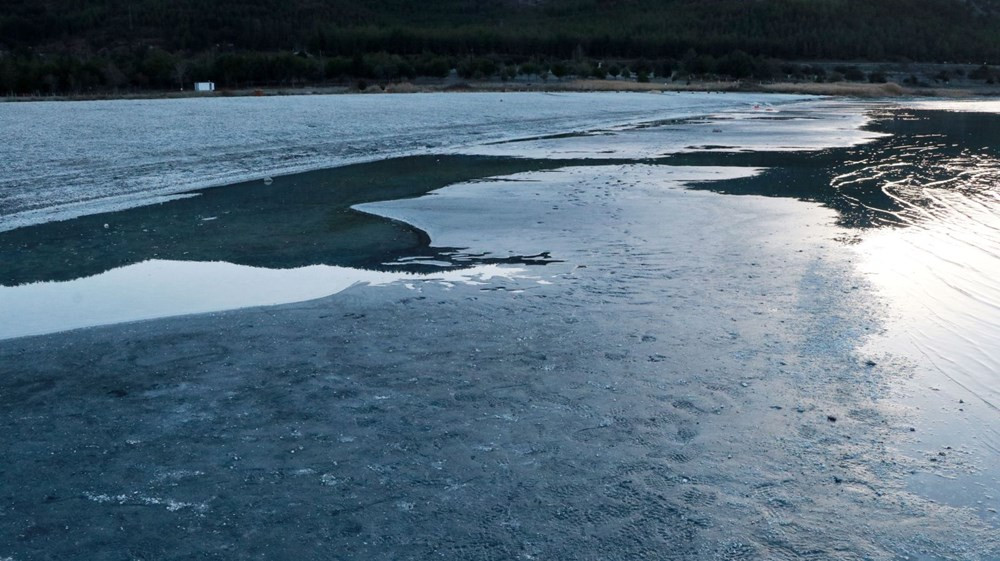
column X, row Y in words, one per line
column 62, row 46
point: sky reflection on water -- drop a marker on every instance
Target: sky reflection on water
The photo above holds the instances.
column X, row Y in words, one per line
column 939, row 262
column 943, row 278
column 157, row 288
column 937, row 265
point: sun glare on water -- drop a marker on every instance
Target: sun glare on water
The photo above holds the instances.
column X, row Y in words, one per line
column 941, row 271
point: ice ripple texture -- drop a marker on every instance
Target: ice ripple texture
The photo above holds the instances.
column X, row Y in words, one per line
column 69, row 159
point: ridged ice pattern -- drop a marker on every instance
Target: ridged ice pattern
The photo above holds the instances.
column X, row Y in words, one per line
column 60, row 160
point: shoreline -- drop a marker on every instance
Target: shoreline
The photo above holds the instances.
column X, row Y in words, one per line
column 844, row 89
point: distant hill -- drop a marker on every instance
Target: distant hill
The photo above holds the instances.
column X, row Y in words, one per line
column 507, row 32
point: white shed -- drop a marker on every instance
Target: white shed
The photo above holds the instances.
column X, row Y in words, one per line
column 204, row 86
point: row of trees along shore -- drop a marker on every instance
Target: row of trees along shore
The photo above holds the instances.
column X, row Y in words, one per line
column 68, row 46
column 157, row 70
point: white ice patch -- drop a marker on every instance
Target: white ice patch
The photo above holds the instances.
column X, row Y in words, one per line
column 541, row 211
column 136, row 499
column 427, row 262
column 961, row 106
column 179, row 474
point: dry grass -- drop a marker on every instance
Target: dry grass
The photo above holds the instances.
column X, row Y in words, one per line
column 597, row 85
column 847, row 89
column 603, row 86
column 834, row 89
column 890, row 89
column 403, row 87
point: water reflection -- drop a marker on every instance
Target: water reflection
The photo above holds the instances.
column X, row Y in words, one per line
column 940, row 262
column 935, row 167
column 159, row 288
column 938, row 265
column 890, row 181
column 925, row 204
column 941, row 279
column 943, row 274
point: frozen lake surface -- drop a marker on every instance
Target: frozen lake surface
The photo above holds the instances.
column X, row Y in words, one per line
column 68, row 159
column 557, row 332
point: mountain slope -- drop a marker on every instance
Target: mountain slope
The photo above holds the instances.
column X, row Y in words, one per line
column 50, row 46
column 915, row 29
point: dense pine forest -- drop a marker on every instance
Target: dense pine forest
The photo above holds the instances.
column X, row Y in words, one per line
column 78, row 46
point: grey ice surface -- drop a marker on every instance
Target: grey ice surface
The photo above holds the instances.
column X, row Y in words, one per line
column 61, row 160
column 691, row 376
column 685, row 384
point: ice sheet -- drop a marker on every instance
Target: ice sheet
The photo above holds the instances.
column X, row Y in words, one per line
column 800, row 127
column 61, row 160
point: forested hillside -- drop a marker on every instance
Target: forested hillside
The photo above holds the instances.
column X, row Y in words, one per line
column 81, row 45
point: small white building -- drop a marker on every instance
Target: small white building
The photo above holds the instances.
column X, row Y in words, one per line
column 204, row 86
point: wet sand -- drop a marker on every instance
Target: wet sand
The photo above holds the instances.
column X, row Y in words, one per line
column 682, row 382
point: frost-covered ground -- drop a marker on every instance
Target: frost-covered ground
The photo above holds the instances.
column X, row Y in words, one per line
column 60, row 160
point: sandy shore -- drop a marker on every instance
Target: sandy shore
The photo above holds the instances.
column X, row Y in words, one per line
column 683, row 384
column 847, row 89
